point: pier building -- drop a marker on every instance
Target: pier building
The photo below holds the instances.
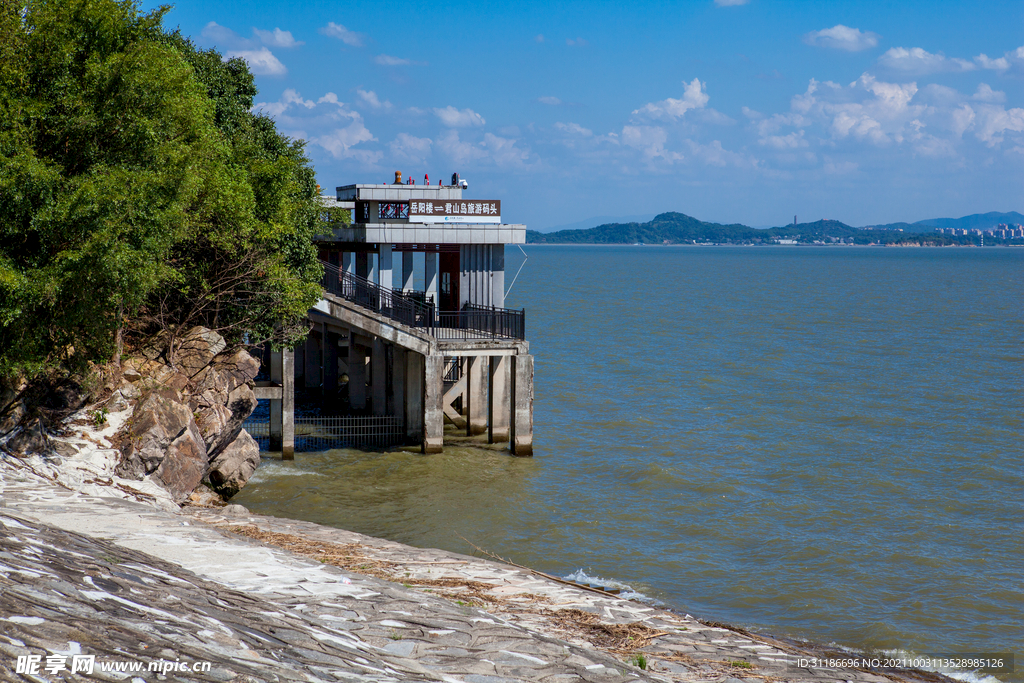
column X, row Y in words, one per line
column 412, row 331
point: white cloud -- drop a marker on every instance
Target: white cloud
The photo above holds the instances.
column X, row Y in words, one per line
column 288, row 98
column 868, row 110
column 730, row 3
column 504, row 151
column 340, row 141
column 792, row 141
column 330, row 98
column 277, row 38
column 1000, row 64
column 262, row 62
column 553, row 101
column 578, row 42
column 410, row 148
column 985, row 93
column 370, row 98
column 459, row 151
column 916, row 60
column 650, row 140
column 539, row 38
column 993, row 122
column 223, row 35
column 574, row 129
column 455, row 118
column 388, row 60
column 842, row 37
column 338, row 31
column 694, row 97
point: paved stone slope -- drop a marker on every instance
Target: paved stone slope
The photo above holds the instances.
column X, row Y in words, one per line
column 121, row 579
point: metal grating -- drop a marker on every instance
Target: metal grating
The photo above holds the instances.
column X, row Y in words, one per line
column 324, row 433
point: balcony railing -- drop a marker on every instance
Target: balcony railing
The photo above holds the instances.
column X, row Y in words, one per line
column 417, row 310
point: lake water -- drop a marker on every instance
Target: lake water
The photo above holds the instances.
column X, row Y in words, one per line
column 823, row 442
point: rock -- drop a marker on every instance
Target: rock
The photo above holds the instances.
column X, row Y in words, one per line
column 203, row 496
column 31, row 439
column 163, row 428
column 239, row 367
column 233, row 466
column 184, row 464
column 196, row 349
column 131, row 373
column 117, row 403
column 212, row 422
column 235, row 510
column 12, row 417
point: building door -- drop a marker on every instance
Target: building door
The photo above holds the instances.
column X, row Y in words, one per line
column 448, row 285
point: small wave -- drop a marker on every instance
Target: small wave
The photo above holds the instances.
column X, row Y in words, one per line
column 966, row 676
column 626, row 591
column 272, row 470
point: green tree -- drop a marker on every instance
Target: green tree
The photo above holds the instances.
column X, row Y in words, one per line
column 138, row 193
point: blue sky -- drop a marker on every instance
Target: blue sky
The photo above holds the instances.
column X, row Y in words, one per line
column 729, row 111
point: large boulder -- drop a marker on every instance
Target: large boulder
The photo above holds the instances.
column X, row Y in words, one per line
column 163, row 439
column 31, row 439
column 232, row 467
column 12, row 416
column 197, row 347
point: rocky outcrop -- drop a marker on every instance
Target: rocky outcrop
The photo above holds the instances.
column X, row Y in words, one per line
column 187, row 423
column 183, row 425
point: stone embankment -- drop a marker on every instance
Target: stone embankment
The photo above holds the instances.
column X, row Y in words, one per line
column 169, row 420
column 263, row 599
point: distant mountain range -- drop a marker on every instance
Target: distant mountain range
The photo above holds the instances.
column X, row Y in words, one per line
column 678, row 228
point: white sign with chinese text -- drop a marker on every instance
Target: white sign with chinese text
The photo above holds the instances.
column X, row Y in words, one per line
column 455, row 211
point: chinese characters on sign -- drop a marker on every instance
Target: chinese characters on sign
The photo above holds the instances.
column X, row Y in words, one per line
column 443, row 210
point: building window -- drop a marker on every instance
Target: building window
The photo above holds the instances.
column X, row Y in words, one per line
column 393, row 210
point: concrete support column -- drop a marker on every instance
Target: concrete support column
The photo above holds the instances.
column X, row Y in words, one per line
column 379, row 378
column 521, row 438
column 498, row 275
column 276, row 417
column 356, row 374
column 430, row 276
column 414, row 396
column 433, row 411
column 408, row 271
column 282, row 410
column 499, row 399
column 312, row 359
column 288, row 404
column 330, row 364
column 397, row 407
column 475, row 400
column 384, row 266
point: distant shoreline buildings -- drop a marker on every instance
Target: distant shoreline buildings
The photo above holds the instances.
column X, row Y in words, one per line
column 1003, row 231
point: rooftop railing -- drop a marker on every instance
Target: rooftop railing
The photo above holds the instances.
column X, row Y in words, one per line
column 417, row 310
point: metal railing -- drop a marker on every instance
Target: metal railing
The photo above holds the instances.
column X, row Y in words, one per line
column 324, row 433
column 413, row 309
column 417, row 309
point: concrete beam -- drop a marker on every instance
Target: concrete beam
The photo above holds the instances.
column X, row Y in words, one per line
column 373, row 324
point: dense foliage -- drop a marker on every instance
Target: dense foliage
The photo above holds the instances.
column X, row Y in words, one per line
column 138, row 193
column 678, row 228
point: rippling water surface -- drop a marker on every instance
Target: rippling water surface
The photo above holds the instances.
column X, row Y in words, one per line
column 819, row 442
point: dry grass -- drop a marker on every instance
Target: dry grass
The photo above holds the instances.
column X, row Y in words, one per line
column 614, row 638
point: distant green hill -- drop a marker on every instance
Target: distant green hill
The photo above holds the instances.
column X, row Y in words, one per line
column 678, row 228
